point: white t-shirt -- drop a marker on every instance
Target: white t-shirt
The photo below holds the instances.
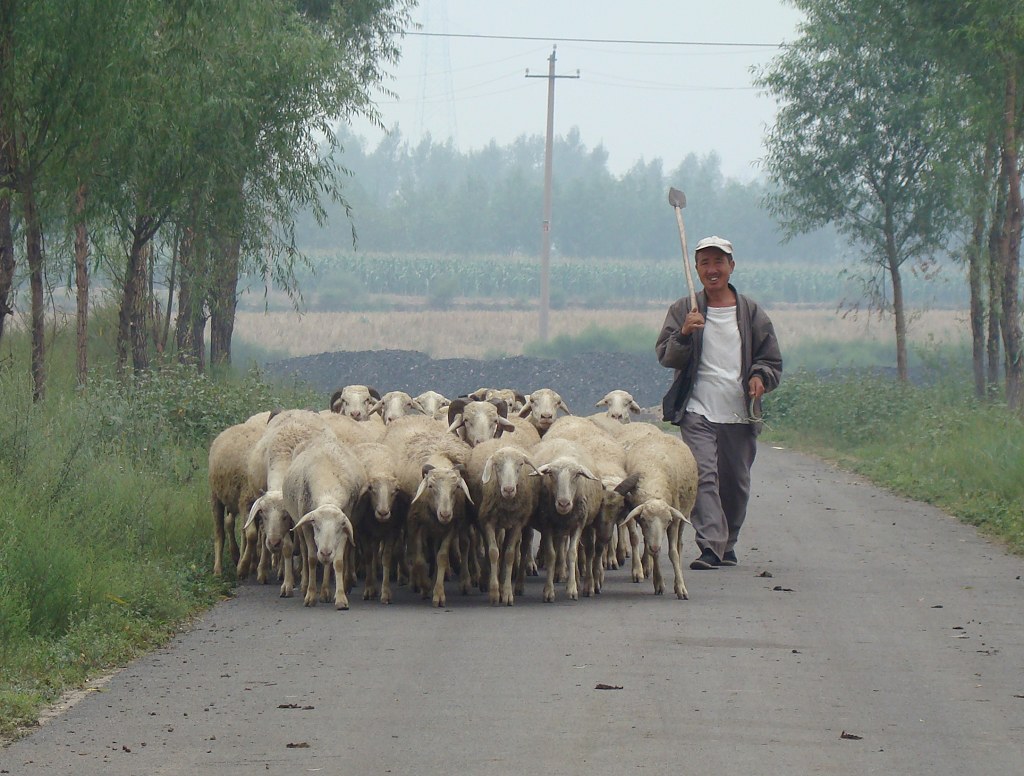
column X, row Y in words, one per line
column 718, row 392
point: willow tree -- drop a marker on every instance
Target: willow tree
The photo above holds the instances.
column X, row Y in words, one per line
column 858, row 142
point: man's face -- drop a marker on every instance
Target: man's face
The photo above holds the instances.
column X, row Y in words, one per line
column 714, row 267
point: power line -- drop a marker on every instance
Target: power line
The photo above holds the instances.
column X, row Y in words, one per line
column 558, row 39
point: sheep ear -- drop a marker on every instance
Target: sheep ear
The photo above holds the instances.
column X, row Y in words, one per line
column 378, row 407
column 602, row 403
column 419, row 490
column 634, row 407
column 526, row 410
column 477, row 395
column 505, row 425
column 415, row 405
column 589, row 474
column 459, row 422
column 309, row 517
column 542, row 470
column 628, row 485
column 465, row 489
column 257, row 505
column 633, row 515
column 427, row 468
column 373, row 392
column 485, row 476
column 564, row 406
column 334, row 400
column 679, row 515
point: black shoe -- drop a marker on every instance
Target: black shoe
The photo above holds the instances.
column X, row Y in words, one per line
column 729, row 559
column 707, row 560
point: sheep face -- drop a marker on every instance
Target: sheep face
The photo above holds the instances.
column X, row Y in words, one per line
column 395, row 404
column 619, row 404
column 481, row 420
column 564, row 481
column 542, row 408
column 654, row 518
column 439, row 490
column 432, row 402
column 272, row 513
column 382, row 489
column 332, row 532
column 506, row 467
column 356, row 401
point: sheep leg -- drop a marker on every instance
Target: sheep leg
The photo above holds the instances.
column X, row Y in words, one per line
column 371, row 566
column 287, row 549
column 229, row 529
column 418, row 567
column 309, row 566
column 493, row 561
column 340, row 579
column 442, row 569
column 622, row 543
column 659, row 582
column 325, row 582
column 572, row 586
column 387, row 550
column 547, row 551
column 510, row 553
column 637, row 557
column 468, row 551
column 585, row 557
column 218, row 534
column 674, row 532
column 263, row 568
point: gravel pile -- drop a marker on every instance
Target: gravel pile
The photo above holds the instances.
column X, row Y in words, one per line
column 581, row 380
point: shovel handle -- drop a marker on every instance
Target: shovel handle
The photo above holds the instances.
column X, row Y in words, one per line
column 686, row 257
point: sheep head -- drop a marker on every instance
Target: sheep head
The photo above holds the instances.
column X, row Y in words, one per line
column 619, row 404
column 654, row 518
column 332, row 531
column 354, row 401
column 396, row 404
column 476, row 421
column 542, row 408
column 439, row 488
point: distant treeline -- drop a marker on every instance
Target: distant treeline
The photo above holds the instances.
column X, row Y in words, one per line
column 430, row 198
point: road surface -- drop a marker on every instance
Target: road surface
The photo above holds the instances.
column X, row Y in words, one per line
column 861, row 633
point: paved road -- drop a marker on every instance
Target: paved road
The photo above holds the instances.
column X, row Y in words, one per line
column 888, row 639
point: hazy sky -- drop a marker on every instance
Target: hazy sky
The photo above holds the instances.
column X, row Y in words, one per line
column 639, row 99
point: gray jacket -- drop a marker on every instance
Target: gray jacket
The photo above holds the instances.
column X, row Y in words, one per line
column 761, row 355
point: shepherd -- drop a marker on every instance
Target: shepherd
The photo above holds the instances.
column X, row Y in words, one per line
column 725, row 354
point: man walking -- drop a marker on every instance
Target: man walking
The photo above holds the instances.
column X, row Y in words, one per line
column 726, row 357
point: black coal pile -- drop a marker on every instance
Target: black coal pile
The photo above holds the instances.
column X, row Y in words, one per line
column 581, row 380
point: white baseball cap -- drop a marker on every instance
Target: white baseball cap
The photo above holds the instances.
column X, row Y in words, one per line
column 714, row 242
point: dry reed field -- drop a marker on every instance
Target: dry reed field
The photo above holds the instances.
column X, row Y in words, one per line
column 482, row 334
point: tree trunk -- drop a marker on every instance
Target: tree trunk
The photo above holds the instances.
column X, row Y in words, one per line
column 899, row 312
column 34, row 256
column 7, row 165
column 978, row 261
column 191, row 320
column 6, row 258
column 223, row 302
column 1010, row 253
column 131, row 332
column 993, row 344
column 82, row 290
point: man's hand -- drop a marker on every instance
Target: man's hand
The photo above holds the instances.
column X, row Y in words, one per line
column 693, row 321
column 756, row 386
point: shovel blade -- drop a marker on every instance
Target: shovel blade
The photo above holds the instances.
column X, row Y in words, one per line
column 676, row 198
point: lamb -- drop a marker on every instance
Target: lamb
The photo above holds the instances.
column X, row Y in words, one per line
column 231, row 495
column 570, row 500
column 620, row 404
column 268, row 462
column 323, row 485
column 506, row 497
column 608, row 459
column 661, row 488
column 475, row 421
column 431, row 471
column 354, row 401
column 542, row 408
column 380, row 517
column 395, row 404
column 433, row 403
column 513, row 398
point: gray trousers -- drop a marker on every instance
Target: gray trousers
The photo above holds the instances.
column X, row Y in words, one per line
column 724, row 452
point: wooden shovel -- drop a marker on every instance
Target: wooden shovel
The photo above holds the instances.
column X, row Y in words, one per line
column 677, row 200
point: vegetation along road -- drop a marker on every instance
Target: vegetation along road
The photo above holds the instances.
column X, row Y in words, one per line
column 861, row 633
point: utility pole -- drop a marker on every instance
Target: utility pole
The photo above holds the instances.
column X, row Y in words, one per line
column 545, row 253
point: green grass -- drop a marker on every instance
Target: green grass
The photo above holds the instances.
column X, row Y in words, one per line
column 932, row 442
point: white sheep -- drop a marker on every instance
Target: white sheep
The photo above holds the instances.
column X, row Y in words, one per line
column 380, row 517
column 431, row 471
column 661, row 488
column 619, row 403
column 513, row 398
column 354, row 401
column 570, row 499
column 475, row 421
column 542, row 408
column 395, row 404
column 350, row 431
column 434, row 404
column 608, row 461
column 506, row 498
column 322, row 486
column 269, row 460
column 231, row 494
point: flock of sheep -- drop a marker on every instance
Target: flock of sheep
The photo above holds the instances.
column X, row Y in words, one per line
column 423, row 489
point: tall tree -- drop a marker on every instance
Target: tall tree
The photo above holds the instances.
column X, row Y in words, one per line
column 857, row 142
